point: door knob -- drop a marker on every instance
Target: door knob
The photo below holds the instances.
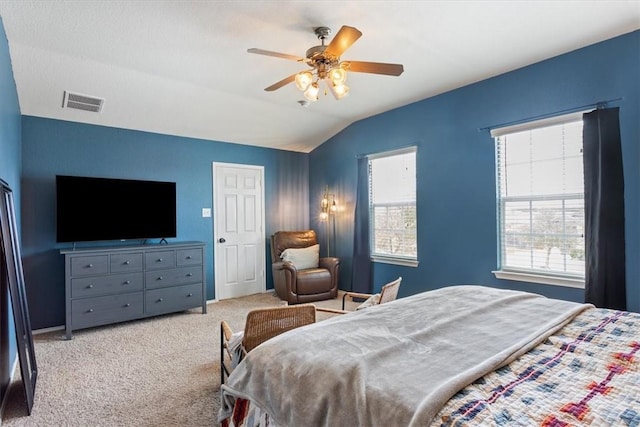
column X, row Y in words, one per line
column 221, row 240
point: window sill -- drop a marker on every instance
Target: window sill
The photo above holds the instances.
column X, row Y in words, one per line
column 539, row 278
column 393, row 260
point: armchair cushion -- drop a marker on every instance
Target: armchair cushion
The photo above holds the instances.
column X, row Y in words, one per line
column 302, row 258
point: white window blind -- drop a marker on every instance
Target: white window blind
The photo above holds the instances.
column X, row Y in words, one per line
column 541, row 197
column 392, row 205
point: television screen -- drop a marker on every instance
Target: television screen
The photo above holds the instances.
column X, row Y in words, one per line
column 91, row 209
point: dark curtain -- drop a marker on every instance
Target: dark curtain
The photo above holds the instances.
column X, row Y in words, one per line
column 361, row 271
column 604, row 210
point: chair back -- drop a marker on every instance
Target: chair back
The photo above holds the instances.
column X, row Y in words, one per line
column 282, row 240
column 389, row 291
column 265, row 323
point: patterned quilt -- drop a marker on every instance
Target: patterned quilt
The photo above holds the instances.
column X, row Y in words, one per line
column 587, row 374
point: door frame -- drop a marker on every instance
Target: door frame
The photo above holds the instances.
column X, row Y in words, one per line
column 214, row 168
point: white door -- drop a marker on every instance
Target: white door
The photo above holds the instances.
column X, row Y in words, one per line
column 238, row 230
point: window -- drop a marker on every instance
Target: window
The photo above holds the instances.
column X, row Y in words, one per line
column 392, row 207
column 541, row 201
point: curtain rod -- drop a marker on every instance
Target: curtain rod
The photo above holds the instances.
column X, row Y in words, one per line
column 599, row 105
column 390, row 150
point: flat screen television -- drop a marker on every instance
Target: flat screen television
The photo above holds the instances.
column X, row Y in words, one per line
column 96, row 209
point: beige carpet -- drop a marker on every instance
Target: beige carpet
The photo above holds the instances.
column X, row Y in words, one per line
column 162, row 371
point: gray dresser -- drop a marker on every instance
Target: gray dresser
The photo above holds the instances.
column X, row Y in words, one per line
column 106, row 285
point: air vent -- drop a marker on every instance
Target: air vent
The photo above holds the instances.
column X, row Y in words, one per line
column 82, row 102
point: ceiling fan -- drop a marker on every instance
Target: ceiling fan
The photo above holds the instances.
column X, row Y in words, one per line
column 325, row 64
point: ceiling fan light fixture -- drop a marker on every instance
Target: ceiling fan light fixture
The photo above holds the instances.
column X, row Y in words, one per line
column 312, row 92
column 338, row 76
column 340, row 91
column 325, row 64
column 303, row 80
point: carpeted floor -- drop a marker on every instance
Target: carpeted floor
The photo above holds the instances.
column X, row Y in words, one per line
column 162, row 371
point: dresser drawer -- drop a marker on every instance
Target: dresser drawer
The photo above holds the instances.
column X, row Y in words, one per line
column 160, row 259
column 121, row 263
column 176, row 298
column 105, row 284
column 97, row 311
column 89, row 265
column 102, row 285
column 186, row 257
column 178, row 276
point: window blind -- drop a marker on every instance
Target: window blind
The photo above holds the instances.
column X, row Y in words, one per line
column 392, row 204
column 541, row 197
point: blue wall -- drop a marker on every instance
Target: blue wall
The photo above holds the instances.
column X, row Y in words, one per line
column 10, row 154
column 456, row 167
column 54, row 147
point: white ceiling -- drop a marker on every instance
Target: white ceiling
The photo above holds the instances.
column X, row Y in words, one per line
column 182, row 67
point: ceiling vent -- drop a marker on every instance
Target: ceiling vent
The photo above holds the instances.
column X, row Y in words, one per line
column 82, row 102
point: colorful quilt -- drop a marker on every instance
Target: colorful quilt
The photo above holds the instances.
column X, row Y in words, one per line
column 586, row 374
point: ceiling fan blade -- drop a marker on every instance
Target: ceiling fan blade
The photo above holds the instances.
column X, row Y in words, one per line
column 281, row 83
column 373, row 67
column 276, row 54
column 342, row 41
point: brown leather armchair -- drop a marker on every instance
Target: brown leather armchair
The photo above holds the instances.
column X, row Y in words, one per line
column 307, row 285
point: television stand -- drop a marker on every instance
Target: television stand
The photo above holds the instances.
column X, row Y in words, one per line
column 111, row 284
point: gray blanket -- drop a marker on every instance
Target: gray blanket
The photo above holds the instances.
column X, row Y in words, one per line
column 396, row 363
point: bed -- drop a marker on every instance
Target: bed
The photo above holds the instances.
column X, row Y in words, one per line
column 457, row 356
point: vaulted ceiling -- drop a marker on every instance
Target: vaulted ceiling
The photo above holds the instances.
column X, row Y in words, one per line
column 182, row 67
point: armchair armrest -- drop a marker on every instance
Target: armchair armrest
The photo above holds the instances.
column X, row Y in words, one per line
column 331, row 310
column 353, row 295
column 284, row 265
column 330, row 263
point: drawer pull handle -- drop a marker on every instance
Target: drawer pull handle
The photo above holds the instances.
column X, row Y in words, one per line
column 160, row 278
column 89, row 286
column 127, row 305
column 126, row 282
column 90, row 310
column 189, row 295
column 159, row 259
column 160, row 299
column 127, row 263
column 189, row 274
column 90, row 266
column 189, row 257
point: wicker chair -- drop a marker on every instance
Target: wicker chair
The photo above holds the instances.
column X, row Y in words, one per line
column 389, row 292
column 261, row 325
